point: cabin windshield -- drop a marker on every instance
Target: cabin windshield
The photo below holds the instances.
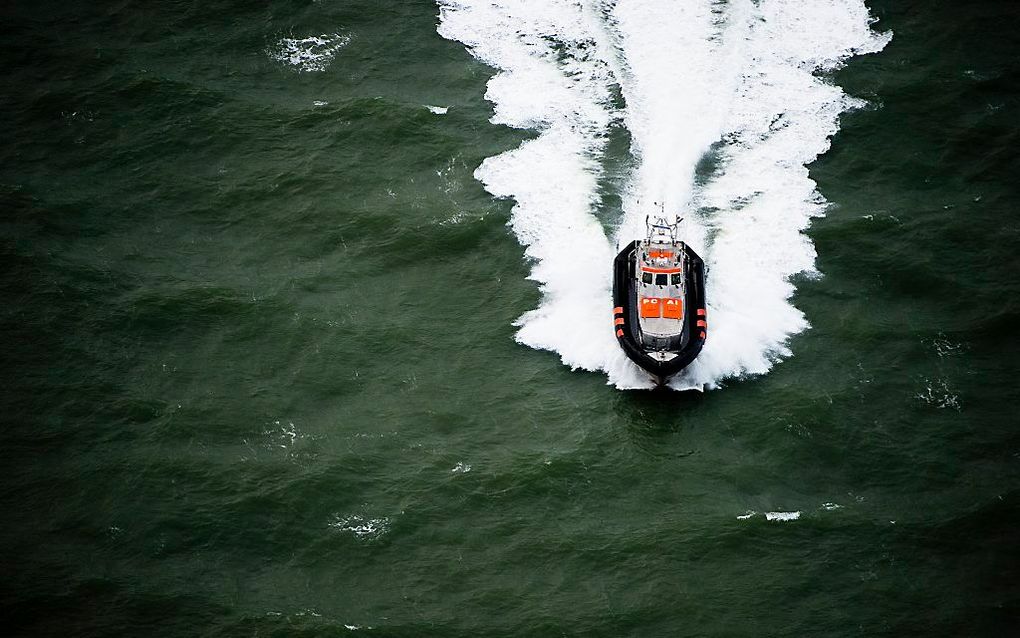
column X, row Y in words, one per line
column 646, row 277
column 675, row 279
column 660, row 280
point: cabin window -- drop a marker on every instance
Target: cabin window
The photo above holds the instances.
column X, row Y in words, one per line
column 646, row 277
column 675, row 279
column 660, row 280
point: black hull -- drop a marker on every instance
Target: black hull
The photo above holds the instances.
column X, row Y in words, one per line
column 625, row 315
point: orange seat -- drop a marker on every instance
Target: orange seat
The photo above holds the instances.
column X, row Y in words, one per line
column 672, row 308
column 650, row 308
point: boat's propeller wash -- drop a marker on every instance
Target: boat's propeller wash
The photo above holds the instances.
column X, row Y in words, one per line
column 734, row 89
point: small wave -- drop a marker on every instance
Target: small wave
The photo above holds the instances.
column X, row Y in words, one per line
column 782, row 516
column 937, row 393
column 438, row 110
column 360, row 526
column 944, row 347
column 311, row 54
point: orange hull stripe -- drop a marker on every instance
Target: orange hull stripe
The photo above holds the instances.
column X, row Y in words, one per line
column 662, row 270
column 702, row 324
column 619, row 333
column 701, row 312
column 618, row 321
column 618, row 310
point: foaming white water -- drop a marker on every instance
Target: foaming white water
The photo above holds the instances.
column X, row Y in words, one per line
column 735, row 76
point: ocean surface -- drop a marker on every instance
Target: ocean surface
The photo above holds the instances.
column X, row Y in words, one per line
column 306, row 328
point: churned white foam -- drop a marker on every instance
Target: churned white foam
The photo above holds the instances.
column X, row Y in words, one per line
column 314, row 53
column 735, row 79
column 438, row 110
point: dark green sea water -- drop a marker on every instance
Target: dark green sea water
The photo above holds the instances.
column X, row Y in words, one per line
column 259, row 374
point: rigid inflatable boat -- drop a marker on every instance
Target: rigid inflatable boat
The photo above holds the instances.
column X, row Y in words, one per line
column 659, row 301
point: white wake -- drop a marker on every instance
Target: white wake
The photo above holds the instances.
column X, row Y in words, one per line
column 738, row 80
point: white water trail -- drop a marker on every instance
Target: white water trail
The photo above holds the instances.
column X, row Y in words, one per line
column 738, row 77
